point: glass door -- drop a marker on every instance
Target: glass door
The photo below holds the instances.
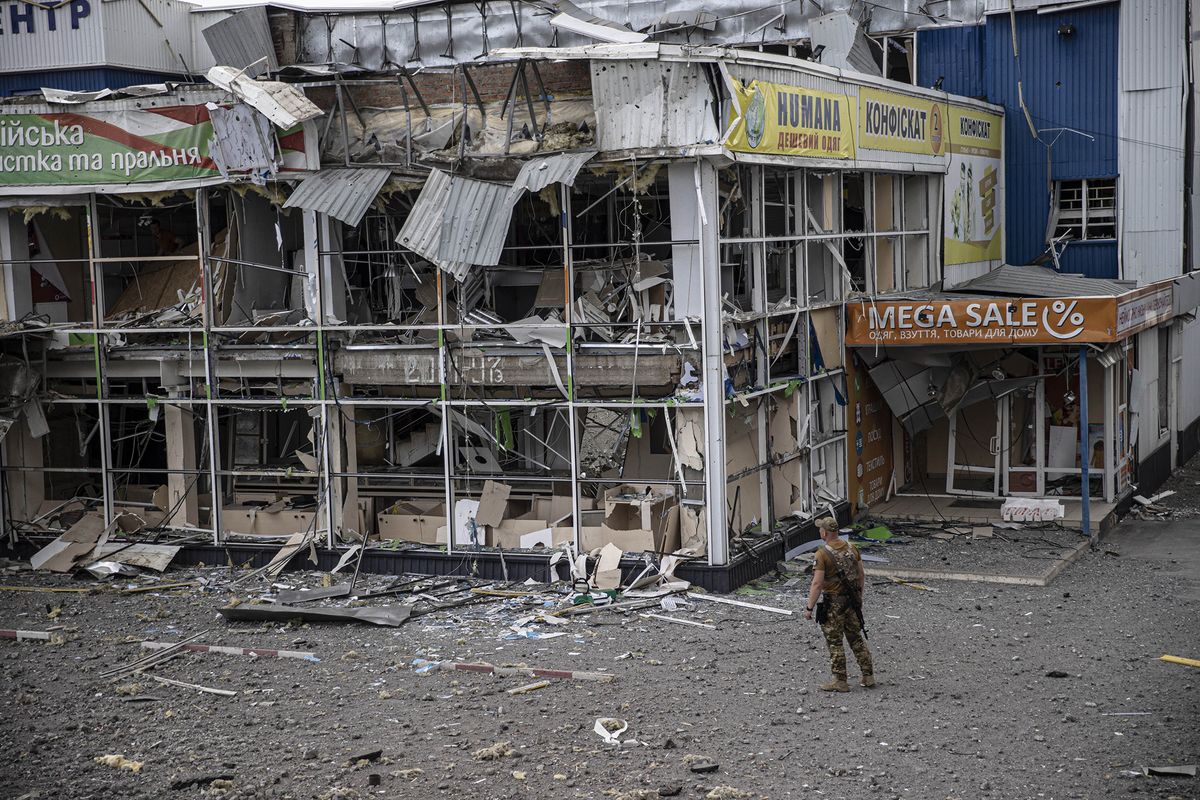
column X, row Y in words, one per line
column 1023, row 442
column 974, row 451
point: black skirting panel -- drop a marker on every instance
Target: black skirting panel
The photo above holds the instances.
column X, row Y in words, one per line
column 744, row 567
column 1189, row 442
column 1154, row 470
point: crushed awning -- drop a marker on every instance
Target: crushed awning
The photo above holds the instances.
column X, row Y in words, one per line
column 343, row 194
column 1035, row 281
column 282, row 103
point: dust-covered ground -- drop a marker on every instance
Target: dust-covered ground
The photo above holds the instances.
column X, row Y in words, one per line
column 965, row 707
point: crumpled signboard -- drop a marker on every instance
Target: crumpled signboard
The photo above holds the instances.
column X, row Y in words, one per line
column 774, row 119
column 117, row 147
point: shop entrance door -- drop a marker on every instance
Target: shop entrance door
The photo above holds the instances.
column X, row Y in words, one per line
column 973, row 449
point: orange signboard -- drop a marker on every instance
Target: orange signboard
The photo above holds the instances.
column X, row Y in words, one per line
column 1056, row 320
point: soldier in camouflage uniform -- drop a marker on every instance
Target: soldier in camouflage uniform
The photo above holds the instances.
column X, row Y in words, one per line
column 838, row 563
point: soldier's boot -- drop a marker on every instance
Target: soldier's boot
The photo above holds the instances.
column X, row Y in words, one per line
column 838, row 684
column 868, row 680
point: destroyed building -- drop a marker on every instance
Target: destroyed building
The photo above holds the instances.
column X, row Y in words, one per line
column 457, row 279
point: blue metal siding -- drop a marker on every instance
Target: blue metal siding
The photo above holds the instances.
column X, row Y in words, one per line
column 78, row 80
column 1069, row 82
column 1091, row 259
column 953, row 54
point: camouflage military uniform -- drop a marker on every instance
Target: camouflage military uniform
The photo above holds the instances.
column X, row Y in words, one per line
column 841, row 621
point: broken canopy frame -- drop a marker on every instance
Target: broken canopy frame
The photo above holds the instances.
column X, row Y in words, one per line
column 911, row 391
column 343, row 194
column 458, row 223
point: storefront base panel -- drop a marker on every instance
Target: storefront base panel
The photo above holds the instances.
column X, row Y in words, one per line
column 1154, row 470
column 743, row 568
column 983, row 511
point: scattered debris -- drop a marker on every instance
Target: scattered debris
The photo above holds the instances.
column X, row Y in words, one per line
column 197, row 687
column 739, row 603
column 1187, row 662
column 119, row 762
column 529, row 687
column 1186, row 771
column 421, row 665
column 392, row 616
column 20, row 636
column 679, row 621
column 494, row 752
column 700, row 764
column 610, row 729
column 202, row 780
column 233, row 651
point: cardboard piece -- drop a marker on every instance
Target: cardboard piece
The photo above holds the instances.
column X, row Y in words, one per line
column 693, row 529
column 67, row 550
column 265, row 521
column 608, row 570
column 413, row 521
column 492, row 503
column 539, row 538
column 465, row 515
column 149, row 556
column 285, row 554
column 643, row 517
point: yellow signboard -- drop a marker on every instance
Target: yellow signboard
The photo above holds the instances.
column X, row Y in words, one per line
column 974, row 215
column 773, row 119
column 901, row 123
column 975, row 132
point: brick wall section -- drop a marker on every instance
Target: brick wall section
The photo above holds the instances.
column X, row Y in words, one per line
column 283, row 36
column 565, row 78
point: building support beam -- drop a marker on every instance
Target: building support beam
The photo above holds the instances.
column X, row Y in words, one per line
column 714, row 362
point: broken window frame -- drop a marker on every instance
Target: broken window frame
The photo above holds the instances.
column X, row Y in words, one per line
column 1087, row 207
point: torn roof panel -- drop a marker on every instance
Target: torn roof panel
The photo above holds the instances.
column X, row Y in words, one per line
column 282, row 103
column 574, row 19
column 538, row 173
column 477, row 222
column 243, row 39
column 343, row 194
column 458, row 222
column 66, row 97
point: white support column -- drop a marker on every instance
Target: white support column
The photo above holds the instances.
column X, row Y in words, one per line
column 182, row 493
column 714, row 365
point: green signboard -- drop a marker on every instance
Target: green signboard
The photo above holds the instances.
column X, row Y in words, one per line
column 117, row 147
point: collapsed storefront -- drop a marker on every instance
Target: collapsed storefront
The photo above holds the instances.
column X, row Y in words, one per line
column 609, row 312
column 1020, row 383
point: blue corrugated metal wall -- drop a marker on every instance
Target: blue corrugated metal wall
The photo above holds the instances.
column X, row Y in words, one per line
column 1069, row 82
column 953, row 54
column 78, row 80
